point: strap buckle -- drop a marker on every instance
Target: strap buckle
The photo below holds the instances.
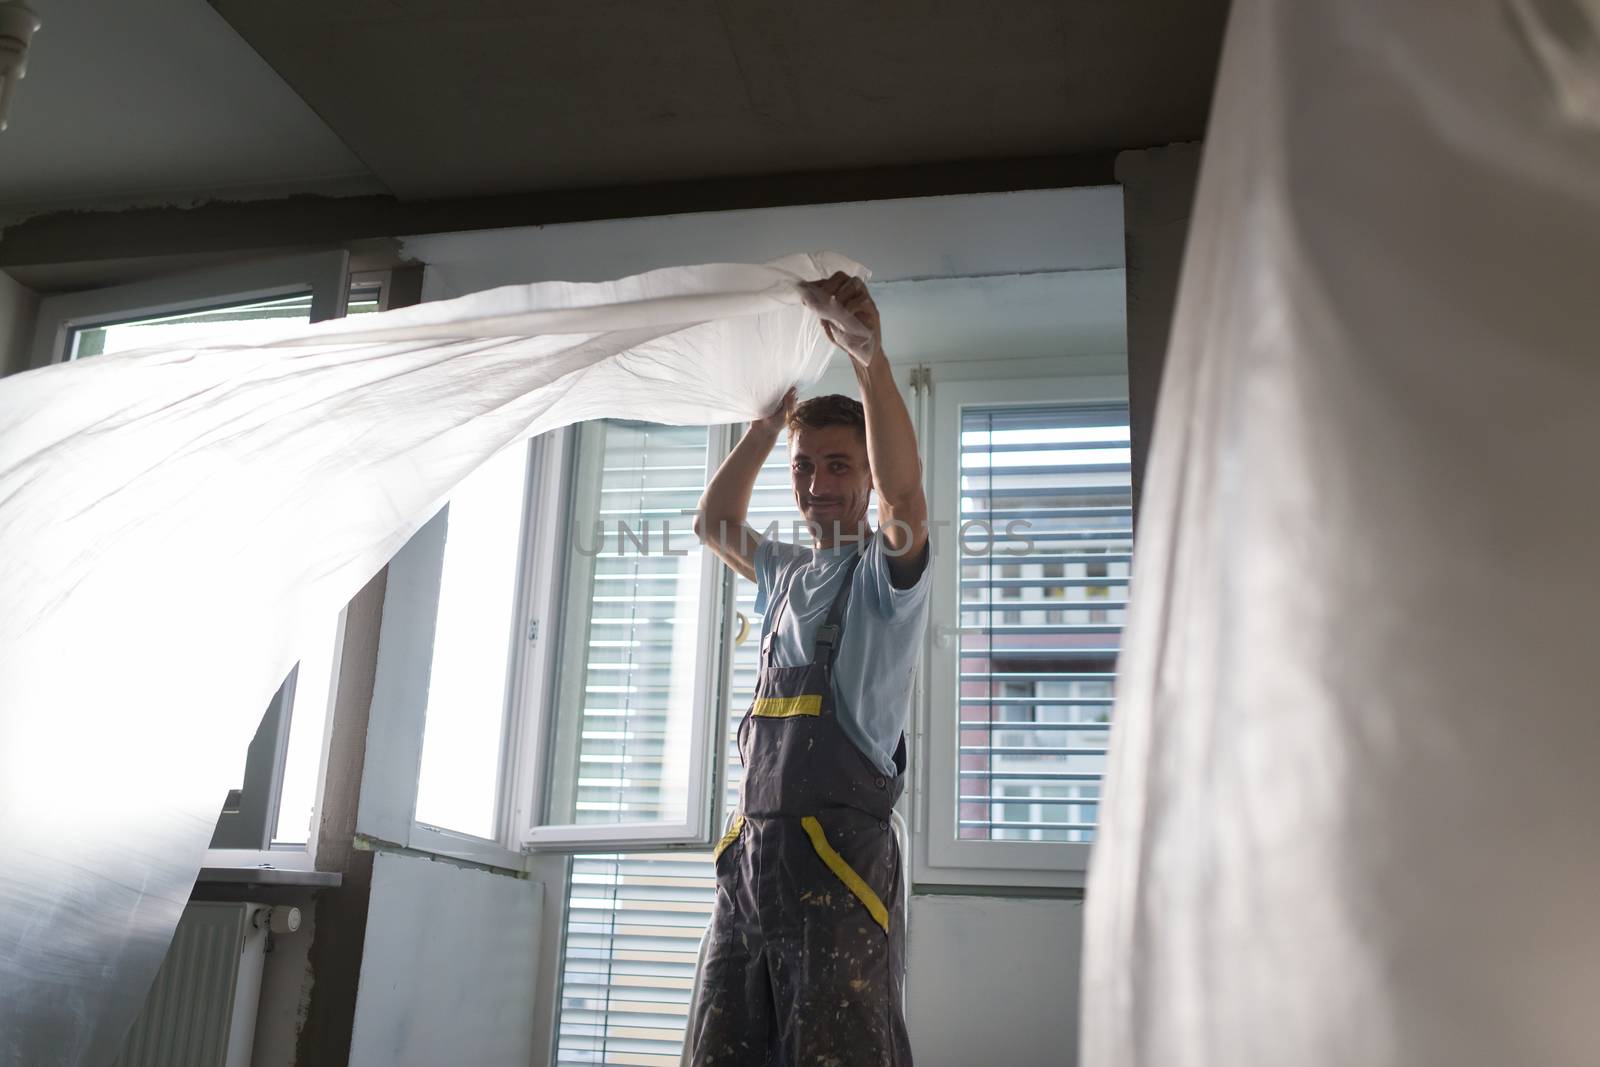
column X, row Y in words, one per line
column 827, row 635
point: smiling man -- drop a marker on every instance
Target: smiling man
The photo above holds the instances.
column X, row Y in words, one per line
column 804, row 957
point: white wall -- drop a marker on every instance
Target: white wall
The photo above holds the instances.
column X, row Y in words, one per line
column 1037, row 232
column 449, row 968
column 993, row 980
column 18, row 307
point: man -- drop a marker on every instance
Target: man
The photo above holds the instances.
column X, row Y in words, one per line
column 804, row 957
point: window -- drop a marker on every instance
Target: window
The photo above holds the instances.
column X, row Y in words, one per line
column 1041, row 494
column 274, row 805
column 1063, row 470
column 182, row 327
column 310, row 703
column 634, row 921
column 566, row 619
column 266, row 292
column 459, row 783
column 237, row 319
column 629, row 754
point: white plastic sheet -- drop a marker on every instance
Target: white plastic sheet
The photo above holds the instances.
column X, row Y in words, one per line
column 169, row 518
column 1353, row 789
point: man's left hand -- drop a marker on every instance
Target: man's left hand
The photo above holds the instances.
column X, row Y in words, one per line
column 849, row 315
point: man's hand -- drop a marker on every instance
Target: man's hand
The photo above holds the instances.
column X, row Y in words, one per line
column 850, row 318
column 719, row 521
column 849, row 315
column 775, row 422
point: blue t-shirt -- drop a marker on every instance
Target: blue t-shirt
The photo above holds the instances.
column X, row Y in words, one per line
column 883, row 627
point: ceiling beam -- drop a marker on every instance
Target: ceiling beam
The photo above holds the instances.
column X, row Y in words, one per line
column 234, row 227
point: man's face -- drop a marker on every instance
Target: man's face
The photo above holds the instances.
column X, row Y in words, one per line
column 832, row 481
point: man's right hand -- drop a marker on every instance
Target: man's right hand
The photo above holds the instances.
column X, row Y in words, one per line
column 774, row 423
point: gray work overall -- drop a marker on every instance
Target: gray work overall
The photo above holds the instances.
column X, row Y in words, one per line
column 806, row 949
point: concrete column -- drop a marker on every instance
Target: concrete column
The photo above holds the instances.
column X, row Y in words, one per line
column 1157, row 195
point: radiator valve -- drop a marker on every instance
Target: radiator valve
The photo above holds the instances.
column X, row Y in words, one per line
column 280, row 920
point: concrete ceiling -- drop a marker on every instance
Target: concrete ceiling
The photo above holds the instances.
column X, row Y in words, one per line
column 457, row 98
column 170, row 128
column 158, row 101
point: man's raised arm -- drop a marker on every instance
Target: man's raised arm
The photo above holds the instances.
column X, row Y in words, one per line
column 720, row 521
column 891, row 437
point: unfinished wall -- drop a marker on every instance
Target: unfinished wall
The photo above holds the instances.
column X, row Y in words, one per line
column 450, row 966
column 993, row 980
column 18, row 306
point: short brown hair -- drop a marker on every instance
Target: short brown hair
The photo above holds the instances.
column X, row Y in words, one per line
column 836, row 409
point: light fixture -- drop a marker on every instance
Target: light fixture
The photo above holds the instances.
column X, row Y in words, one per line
column 18, row 22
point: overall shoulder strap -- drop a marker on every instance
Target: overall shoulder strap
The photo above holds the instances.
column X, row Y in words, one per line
column 775, row 610
column 826, row 646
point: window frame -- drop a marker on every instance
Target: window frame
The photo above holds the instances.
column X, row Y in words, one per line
column 541, row 587
column 326, row 275
column 940, row 856
column 329, row 700
column 564, row 474
column 503, row 850
column 531, row 711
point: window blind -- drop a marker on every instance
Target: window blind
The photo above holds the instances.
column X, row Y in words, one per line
column 634, row 921
column 1042, row 606
column 624, row 732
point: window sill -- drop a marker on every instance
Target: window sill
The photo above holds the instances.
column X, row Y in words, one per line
column 276, row 868
column 980, row 881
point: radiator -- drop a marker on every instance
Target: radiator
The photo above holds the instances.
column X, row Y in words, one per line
column 201, row 1011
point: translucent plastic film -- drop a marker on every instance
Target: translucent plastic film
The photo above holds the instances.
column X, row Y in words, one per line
column 1353, row 786
column 170, row 519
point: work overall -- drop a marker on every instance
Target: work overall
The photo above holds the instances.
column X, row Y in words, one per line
column 806, row 950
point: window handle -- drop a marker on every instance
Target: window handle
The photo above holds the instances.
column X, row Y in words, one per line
column 744, row 628
column 943, row 634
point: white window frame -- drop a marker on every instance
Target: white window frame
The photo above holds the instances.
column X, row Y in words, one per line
column 324, row 274
column 565, row 474
column 388, row 802
column 545, row 545
column 392, row 779
column 324, row 706
column 940, row 856
column 330, row 704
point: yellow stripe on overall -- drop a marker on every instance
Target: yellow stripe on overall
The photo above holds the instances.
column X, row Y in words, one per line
column 728, row 838
column 787, row 707
column 846, row 873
